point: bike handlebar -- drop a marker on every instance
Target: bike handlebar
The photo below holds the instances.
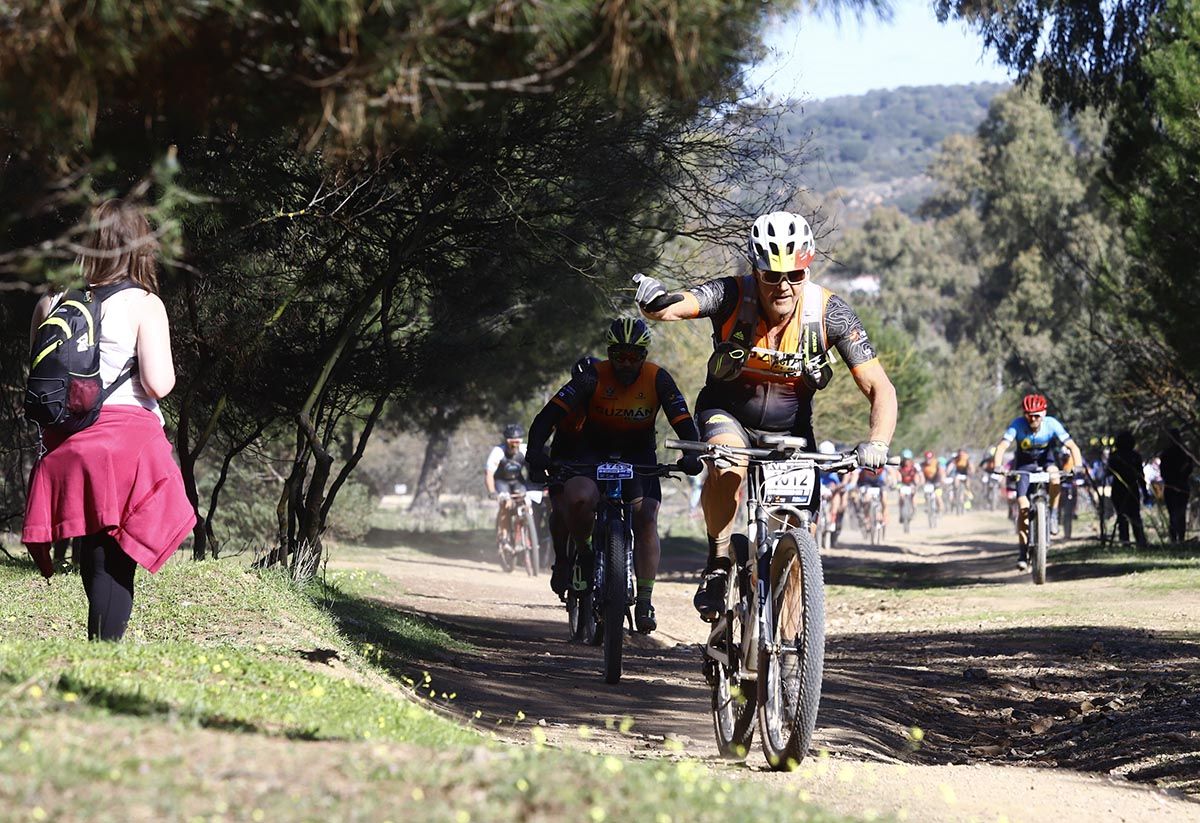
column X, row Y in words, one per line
column 645, row 470
column 785, row 448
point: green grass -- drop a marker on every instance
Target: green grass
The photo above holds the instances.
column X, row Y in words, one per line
column 210, row 709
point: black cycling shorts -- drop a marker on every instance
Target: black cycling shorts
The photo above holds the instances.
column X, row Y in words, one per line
column 718, row 421
column 509, row 486
column 1023, row 471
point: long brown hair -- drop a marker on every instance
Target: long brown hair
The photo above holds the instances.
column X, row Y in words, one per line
column 120, row 244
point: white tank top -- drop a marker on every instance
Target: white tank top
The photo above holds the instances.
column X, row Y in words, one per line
column 118, row 343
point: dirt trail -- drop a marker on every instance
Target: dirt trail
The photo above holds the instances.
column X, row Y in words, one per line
column 1042, row 703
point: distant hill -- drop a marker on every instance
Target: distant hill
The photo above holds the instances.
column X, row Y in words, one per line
column 876, row 146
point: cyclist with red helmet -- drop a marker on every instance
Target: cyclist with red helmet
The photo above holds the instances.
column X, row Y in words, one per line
column 1038, row 438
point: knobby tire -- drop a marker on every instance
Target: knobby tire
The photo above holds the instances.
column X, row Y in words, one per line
column 733, row 702
column 1039, row 532
column 616, row 573
column 789, row 684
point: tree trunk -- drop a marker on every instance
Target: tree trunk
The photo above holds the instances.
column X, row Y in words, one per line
column 437, row 450
column 187, row 467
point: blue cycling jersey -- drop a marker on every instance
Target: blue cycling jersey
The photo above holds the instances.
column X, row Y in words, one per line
column 1039, row 446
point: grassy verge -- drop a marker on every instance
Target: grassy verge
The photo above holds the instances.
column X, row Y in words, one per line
column 236, row 696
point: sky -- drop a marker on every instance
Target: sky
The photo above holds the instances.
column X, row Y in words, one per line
column 812, row 58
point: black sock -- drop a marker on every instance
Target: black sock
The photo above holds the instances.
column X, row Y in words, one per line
column 108, row 581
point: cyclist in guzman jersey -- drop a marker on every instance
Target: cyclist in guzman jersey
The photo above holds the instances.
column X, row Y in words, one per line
column 773, row 330
column 619, row 399
column 1038, row 438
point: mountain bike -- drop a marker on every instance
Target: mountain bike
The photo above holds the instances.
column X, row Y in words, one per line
column 958, row 495
column 520, row 538
column 990, row 491
column 765, row 654
column 602, row 585
column 907, row 506
column 872, row 503
column 827, row 523
column 931, row 503
column 1068, row 501
column 1039, row 519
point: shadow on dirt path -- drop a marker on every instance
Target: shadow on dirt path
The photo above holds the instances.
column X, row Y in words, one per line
column 1064, row 698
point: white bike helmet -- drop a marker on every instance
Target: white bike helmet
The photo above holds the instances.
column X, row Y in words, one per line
column 781, row 241
column 826, row 447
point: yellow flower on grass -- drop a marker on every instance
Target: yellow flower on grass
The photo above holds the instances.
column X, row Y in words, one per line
column 37, row 813
column 522, row 785
column 317, row 690
column 70, row 697
column 613, row 765
column 258, row 815
column 598, row 814
column 418, row 794
column 462, row 816
column 35, row 691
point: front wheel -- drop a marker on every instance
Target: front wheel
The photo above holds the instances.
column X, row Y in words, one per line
column 505, row 547
column 732, row 699
column 616, row 576
column 1039, row 533
column 529, row 543
column 791, row 658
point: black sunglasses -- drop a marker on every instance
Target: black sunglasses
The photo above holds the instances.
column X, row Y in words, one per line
column 774, row 278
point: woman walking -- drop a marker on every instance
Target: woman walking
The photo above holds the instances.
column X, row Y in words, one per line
column 114, row 484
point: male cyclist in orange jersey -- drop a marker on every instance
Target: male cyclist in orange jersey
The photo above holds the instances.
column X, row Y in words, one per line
column 620, row 398
column 772, row 333
column 935, row 475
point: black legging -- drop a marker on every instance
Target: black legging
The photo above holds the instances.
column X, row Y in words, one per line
column 108, row 580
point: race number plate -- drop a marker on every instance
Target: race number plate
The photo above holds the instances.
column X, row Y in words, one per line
column 614, row 471
column 785, row 482
column 1039, row 477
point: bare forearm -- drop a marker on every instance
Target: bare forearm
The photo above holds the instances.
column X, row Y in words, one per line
column 884, row 410
column 687, row 307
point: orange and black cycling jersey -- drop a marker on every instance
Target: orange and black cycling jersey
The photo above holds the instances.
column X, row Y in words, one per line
column 762, row 396
column 931, row 470
column 616, row 418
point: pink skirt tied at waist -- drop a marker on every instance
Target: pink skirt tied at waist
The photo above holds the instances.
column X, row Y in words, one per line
column 118, row 475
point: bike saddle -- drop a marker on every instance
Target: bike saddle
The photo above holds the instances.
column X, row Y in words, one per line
column 781, row 442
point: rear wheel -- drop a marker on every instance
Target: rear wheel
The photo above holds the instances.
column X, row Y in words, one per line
column 505, row 546
column 529, row 542
column 616, row 576
column 791, row 662
column 1039, row 534
column 733, row 700
column 1067, row 513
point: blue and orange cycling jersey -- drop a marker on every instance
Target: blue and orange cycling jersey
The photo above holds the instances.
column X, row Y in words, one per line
column 1036, row 447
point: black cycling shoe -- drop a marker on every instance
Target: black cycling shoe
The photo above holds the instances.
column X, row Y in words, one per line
column 560, row 579
column 643, row 618
column 710, row 597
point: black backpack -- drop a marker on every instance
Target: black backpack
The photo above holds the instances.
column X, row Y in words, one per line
column 64, row 389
